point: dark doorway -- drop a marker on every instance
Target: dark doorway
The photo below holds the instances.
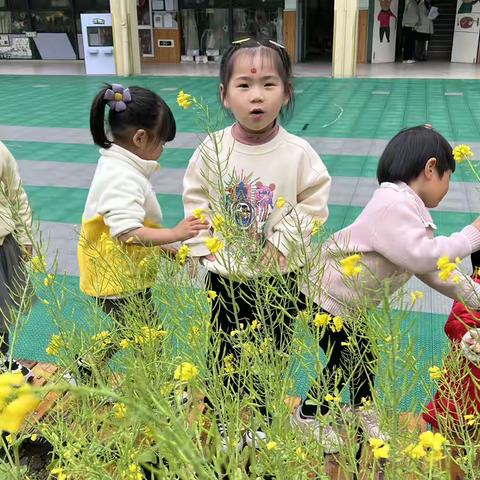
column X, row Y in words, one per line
column 319, row 30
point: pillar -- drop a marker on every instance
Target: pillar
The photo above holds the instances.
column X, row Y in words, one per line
column 344, row 61
column 125, row 37
column 290, row 29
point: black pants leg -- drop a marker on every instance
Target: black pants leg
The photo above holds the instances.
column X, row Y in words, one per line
column 408, row 43
column 354, row 364
column 384, row 32
column 240, row 303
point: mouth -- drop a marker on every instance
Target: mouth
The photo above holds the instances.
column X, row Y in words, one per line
column 256, row 112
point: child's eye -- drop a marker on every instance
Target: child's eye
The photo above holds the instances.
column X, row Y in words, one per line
column 242, row 85
column 270, row 85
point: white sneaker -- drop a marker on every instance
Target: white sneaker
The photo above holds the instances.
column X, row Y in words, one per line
column 370, row 423
column 409, row 61
column 311, row 427
column 253, row 439
column 226, row 441
column 248, row 439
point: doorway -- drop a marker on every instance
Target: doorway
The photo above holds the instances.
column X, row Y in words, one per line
column 318, row 31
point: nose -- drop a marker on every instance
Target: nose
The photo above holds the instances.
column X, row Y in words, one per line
column 256, row 95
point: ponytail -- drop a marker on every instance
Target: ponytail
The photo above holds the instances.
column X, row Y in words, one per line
column 97, row 120
column 130, row 109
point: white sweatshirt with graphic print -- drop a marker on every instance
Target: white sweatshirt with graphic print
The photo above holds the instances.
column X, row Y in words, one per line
column 247, row 181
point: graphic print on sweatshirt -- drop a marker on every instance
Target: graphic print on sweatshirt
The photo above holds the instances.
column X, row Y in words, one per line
column 249, row 202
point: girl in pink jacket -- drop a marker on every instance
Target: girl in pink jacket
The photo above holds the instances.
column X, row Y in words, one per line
column 390, row 241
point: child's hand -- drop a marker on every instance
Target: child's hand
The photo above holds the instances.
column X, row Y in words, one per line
column 188, row 228
column 476, row 223
column 471, row 345
column 271, row 254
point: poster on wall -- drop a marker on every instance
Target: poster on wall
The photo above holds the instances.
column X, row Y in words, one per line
column 466, row 31
column 468, row 6
column 15, row 46
column 384, row 31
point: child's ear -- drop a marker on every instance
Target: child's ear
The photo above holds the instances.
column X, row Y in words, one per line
column 222, row 96
column 139, row 137
column 430, row 167
column 288, row 95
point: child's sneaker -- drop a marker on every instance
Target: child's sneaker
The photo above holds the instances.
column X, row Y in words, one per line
column 253, row 439
column 311, row 427
column 225, row 440
column 13, row 366
column 370, row 423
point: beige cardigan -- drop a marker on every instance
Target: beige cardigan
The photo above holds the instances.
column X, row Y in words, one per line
column 15, row 214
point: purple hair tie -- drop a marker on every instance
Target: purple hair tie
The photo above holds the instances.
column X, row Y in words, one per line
column 117, row 97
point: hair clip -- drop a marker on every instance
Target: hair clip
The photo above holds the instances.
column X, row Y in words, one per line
column 427, row 125
column 117, row 97
column 276, row 44
column 239, row 42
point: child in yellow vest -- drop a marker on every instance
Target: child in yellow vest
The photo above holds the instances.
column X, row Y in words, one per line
column 121, row 223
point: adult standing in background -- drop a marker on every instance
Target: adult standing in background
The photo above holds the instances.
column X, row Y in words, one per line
column 411, row 18
column 423, row 30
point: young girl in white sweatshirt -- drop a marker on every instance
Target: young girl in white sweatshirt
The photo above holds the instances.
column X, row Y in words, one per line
column 270, row 183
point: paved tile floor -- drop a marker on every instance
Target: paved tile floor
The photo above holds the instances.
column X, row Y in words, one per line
column 44, row 122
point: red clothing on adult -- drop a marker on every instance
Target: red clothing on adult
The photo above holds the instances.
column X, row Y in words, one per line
column 458, row 393
column 384, row 18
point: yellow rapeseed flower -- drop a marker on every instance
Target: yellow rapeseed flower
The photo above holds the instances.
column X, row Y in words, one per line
column 435, row 372
column 182, row 254
column 119, row 410
column 316, row 225
column 59, row 473
column 330, row 398
column 133, row 472
column 185, row 372
column 461, row 153
column 256, row 325
column 55, row 344
column 214, row 244
column 124, row 343
column 337, row 324
column 39, row 264
column 322, row 319
column 103, row 338
column 218, row 221
column 280, row 202
column 416, row 295
column 200, row 214
column 34, row 437
column 184, row 99
column 470, row 419
column 446, row 267
column 271, row 445
column 435, row 441
column 229, row 364
column 13, row 414
column 49, row 279
column 415, row 451
column 351, row 265
column 211, row 295
column 380, row 448
column 300, row 453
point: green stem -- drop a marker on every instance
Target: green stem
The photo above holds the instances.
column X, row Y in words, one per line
column 474, row 171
